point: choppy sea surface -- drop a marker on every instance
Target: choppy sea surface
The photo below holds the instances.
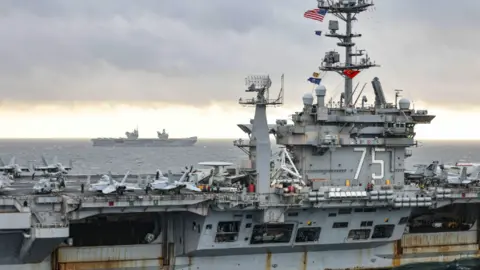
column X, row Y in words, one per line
column 89, row 159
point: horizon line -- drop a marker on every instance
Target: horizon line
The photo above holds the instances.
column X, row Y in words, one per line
column 205, row 138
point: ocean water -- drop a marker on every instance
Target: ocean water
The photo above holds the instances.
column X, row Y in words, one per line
column 88, row 159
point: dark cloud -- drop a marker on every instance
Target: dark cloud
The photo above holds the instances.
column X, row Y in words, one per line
column 194, row 52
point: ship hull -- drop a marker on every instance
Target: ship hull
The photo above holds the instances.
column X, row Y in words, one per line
column 109, row 142
column 149, row 256
column 411, row 248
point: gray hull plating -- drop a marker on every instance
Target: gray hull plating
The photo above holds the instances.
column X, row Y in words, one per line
column 110, row 142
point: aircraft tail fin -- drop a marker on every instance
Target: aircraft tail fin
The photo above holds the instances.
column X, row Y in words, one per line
column 475, row 173
column 31, row 165
column 170, row 176
column 110, row 176
column 184, row 175
column 44, row 160
column 463, row 175
column 2, row 164
column 12, row 161
column 140, row 180
column 125, row 177
column 55, row 160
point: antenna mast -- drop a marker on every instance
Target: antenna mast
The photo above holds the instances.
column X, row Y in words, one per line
column 397, row 95
column 260, row 85
column 347, row 11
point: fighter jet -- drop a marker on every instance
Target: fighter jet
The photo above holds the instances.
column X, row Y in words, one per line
column 54, row 167
column 5, row 183
column 432, row 171
column 12, row 168
column 168, row 184
column 50, row 184
column 464, row 180
column 107, row 185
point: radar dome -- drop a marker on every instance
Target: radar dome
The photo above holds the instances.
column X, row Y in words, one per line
column 404, row 104
column 308, row 99
column 321, row 90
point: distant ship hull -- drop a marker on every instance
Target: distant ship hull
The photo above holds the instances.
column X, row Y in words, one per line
column 123, row 142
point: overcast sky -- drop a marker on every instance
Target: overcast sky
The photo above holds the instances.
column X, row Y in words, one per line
column 195, row 52
column 181, row 64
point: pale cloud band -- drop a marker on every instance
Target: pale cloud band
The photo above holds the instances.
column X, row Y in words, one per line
column 196, row 52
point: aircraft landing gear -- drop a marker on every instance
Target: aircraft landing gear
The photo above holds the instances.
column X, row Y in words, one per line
column 120, row 191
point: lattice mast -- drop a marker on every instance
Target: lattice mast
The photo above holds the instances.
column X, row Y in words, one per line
column 260, row 139
column 347, row 11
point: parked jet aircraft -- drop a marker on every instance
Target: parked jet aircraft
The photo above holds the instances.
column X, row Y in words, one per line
column 463, row 179
column 12, row 168
column 217, row 174
column 53, row 167
column 434, row 169
column 108, row 185
column 5, row 183
column 53, row 183
column 168, row 184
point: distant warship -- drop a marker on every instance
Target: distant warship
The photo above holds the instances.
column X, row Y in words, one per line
column 132, row 140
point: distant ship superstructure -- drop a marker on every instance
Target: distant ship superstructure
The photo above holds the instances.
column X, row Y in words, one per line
column 132, row 140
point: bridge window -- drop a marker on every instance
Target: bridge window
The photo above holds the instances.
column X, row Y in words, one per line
column 227, row 231
column 295, row 214
column 366, row 223
column 403, row 220
column 369, row 210
column 249, row 216
column 249, row 225
column 208, row 227
column 309, row 234
column 344, row 211
column 338, row 225
column 383, row 231
column 361, row 234
column 271, row 233
column 332, row 214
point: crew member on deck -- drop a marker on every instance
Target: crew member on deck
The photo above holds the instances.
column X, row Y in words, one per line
column 369, row 187
column 157, row 175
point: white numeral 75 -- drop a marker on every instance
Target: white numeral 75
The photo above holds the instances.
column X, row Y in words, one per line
column 374, row 161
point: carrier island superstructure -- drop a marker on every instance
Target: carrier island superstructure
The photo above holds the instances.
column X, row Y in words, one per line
column 351, row 209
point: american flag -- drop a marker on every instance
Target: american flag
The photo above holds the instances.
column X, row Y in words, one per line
column 315, row 14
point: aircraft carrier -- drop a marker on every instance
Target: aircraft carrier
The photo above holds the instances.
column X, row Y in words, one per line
column 132, row 140
column 338, row 199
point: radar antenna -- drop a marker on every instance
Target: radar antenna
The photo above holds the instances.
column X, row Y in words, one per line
column 261, row 84
column 347, row 11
